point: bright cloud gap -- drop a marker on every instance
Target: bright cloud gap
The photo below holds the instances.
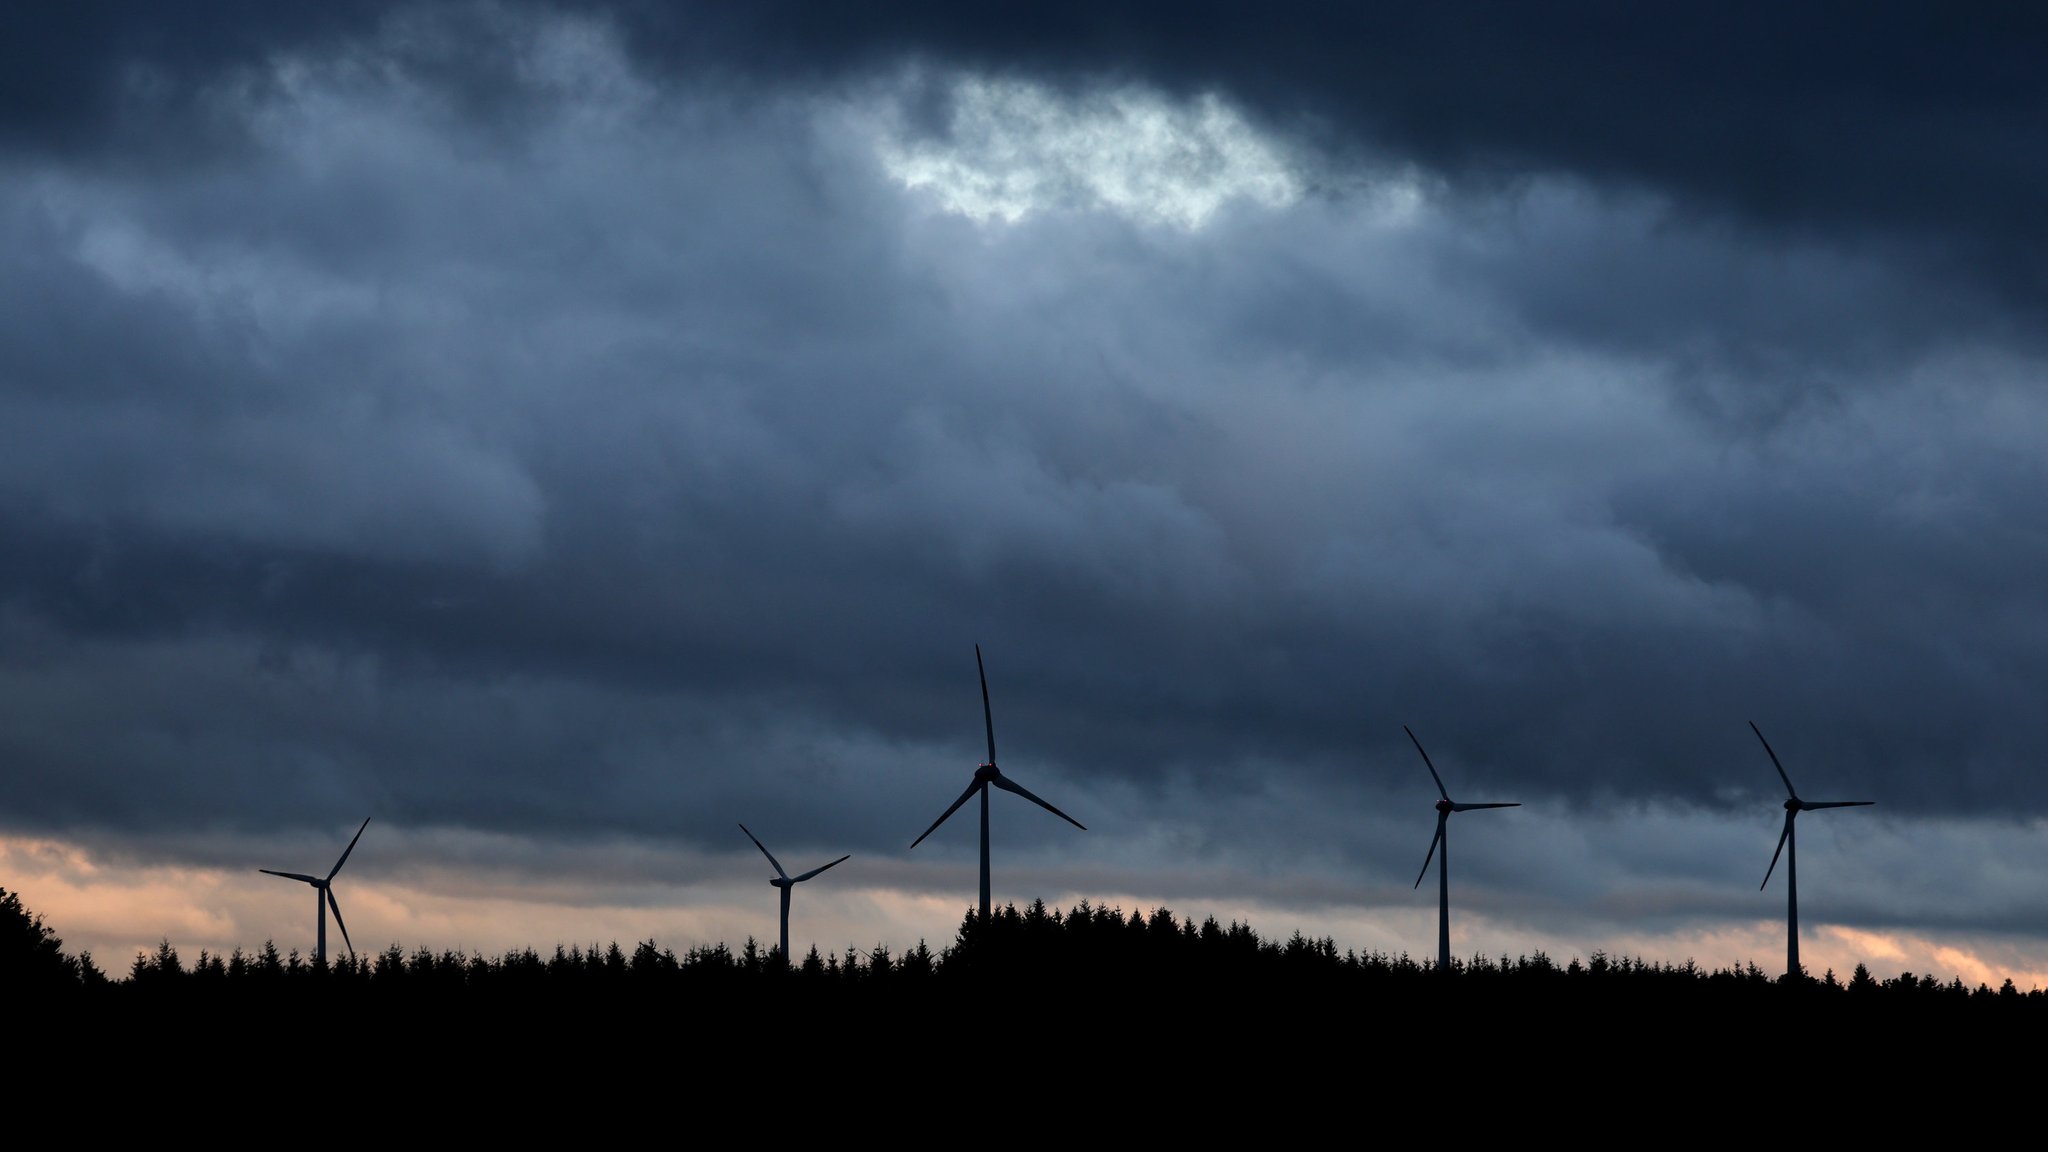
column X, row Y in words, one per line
column 1011, row 149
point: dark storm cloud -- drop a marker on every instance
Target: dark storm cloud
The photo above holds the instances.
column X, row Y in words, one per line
column 507, row 437
column 75, row 78
column 1916, row 121
column 608, row 463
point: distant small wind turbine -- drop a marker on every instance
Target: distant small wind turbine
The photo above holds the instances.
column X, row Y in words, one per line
column 984, row 776
column 1789, row 845
column 1440, row 847
column 323, row 897
column 785, row 882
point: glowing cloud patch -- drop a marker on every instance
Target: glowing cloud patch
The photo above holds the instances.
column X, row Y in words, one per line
column 1012, row 148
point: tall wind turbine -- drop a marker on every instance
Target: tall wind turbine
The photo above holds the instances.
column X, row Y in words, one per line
column 785, row 881
column 1440, row 847
column 1789, row 845
column 984, row 776
column 323, row 897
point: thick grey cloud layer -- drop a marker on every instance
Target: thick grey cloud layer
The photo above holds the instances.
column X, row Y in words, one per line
column 1912, row 120
column 560, row 421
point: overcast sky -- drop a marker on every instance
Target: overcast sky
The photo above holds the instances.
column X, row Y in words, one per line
column 561, row 432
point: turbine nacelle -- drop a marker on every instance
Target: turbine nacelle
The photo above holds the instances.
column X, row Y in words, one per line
column 987, row 774
column 1446, row 806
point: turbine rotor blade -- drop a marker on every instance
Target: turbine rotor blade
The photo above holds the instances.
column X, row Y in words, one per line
column 1432, row 771
column 335, row 906
column 766, row 852
column 946, row 813
column 1007, row 785
column 1782, row 837
column 1466, row 807
column 1835, row 803
column 1431, row 854
column 820, row 868
column 313, row 880
column 351, row 847
column 1789, row 790
column 987, row 717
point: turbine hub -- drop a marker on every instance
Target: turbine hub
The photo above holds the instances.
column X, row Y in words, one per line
column 1443, row 805
column 985, row 773
column 1793, row 805
column 778, row 882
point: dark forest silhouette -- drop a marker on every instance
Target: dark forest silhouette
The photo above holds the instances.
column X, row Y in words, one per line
column 1090, row 949
column 32, row 956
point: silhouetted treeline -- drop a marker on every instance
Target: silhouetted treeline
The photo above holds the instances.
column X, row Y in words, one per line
column 1102, row 947
column 32, row 956
column 1086, row 954
column 1092, row 1013
column 424, row 973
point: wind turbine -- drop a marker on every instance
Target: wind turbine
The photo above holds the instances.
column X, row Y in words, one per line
column 785, row 881
column 1444, row 808
column 323, row 897
column 1789, row 845
column 984, row 776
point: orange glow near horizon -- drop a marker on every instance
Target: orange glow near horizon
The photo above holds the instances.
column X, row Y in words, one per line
column 116, row 913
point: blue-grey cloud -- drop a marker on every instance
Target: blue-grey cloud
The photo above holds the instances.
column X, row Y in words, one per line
column 591, row 432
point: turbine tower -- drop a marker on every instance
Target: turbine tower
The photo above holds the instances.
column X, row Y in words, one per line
column 323, row 897
column 1789, row 845
column 1440, row 847
column 984, row 776
column 785, row 881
